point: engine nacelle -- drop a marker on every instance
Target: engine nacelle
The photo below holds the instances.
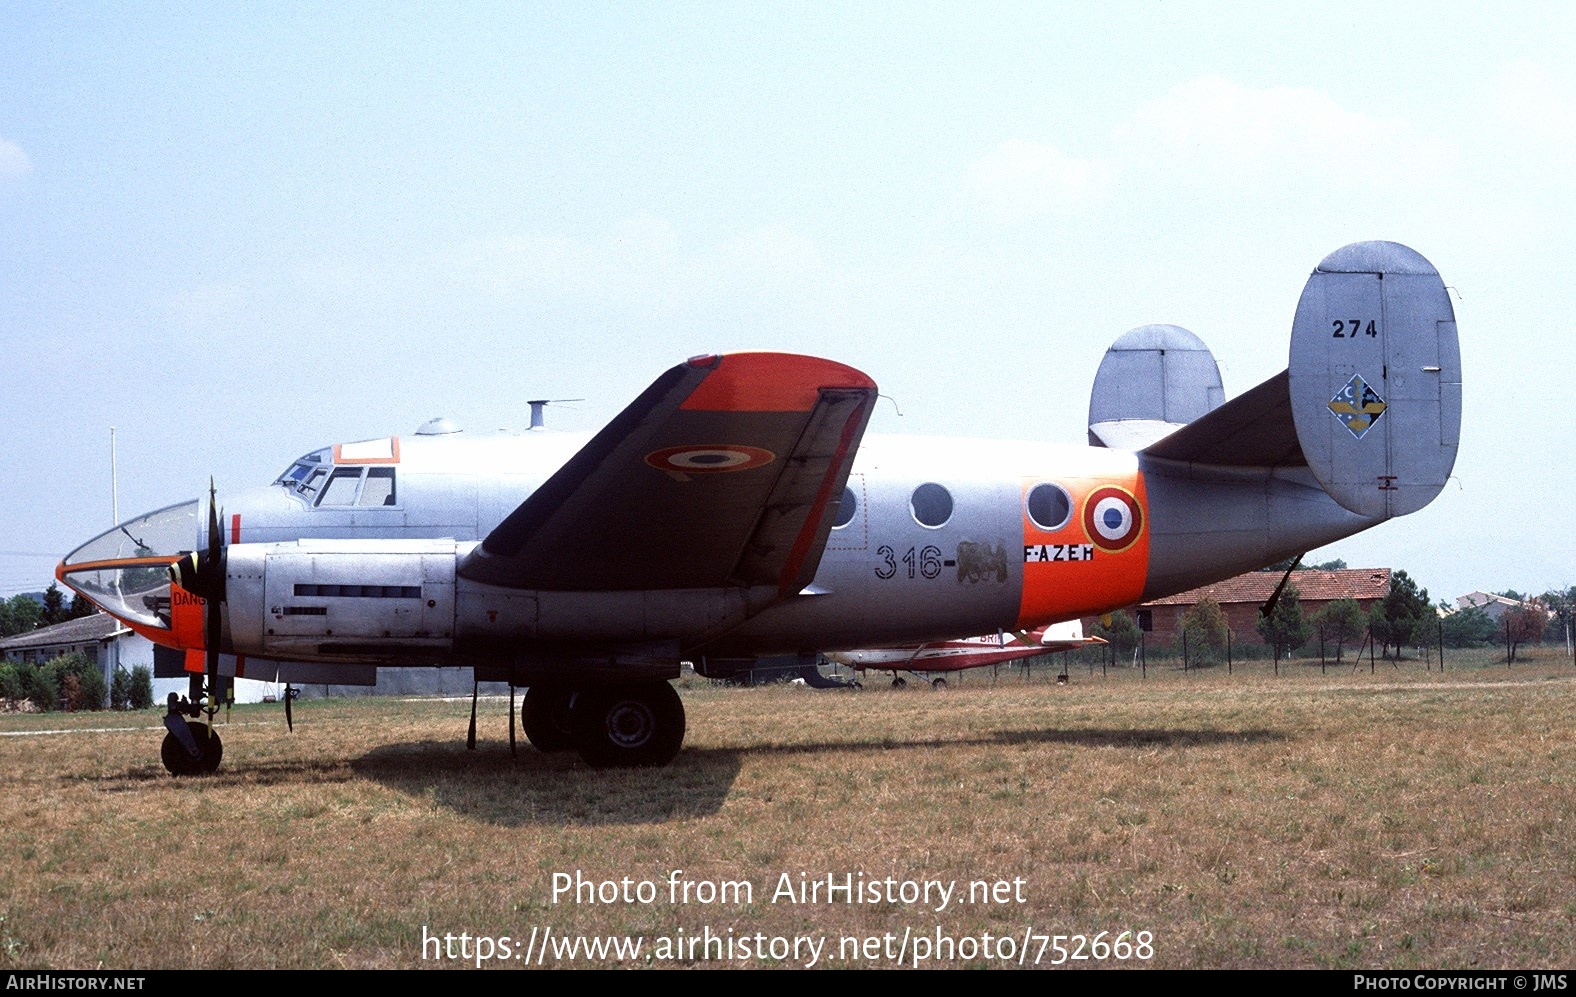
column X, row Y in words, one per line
column 380, row 600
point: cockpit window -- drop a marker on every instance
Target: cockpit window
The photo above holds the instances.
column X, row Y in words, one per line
column 314, row 480
column 317, row 479
column 379, row 487
column 342, row 486
column 303, row 476
column 358, row 486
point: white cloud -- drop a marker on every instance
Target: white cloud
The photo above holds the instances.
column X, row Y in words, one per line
column 1020, row 178
column 13, row 161
column 1208, row 133
column 1536, row 106
column 773, row 249
column 1231, row 131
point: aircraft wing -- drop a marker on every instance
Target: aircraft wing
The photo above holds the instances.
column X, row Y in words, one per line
column 726, row 471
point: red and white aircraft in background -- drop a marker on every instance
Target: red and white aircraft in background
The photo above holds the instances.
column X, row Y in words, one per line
column 967, row 652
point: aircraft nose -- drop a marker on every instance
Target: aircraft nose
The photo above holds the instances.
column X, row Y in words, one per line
column 124, row 570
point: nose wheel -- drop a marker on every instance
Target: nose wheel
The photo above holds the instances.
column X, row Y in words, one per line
column 197, row 753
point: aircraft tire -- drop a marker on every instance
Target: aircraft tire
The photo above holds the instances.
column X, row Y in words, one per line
column 178, row 762
column 546, row 720
column 940, row 685
column 900, row 683
column 629, row 726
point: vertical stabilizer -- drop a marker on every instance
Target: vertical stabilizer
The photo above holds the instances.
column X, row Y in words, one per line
column 1375, row 379
column 1152, row 380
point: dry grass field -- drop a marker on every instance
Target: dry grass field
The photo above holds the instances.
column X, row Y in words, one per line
column 1404, row 819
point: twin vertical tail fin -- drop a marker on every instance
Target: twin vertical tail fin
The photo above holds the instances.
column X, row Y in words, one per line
column 1375, row 379
column 1151, row 382
column 1370, row 402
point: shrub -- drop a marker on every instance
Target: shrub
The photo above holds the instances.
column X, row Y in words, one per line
column 11, row 682
column 40, row 685
column 77, row 681
column 120, row 690
column 141, row 687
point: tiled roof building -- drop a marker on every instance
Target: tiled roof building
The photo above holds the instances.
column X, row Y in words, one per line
column 1241, row 597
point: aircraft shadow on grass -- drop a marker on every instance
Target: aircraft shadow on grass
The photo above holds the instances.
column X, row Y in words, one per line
column 555, row 789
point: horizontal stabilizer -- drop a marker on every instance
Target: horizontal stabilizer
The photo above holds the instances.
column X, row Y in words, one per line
column 1252, row 430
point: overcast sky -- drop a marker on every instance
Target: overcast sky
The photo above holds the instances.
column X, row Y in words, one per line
column 241, row 232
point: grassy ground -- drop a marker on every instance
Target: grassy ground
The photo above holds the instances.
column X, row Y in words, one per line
column 1401, row 819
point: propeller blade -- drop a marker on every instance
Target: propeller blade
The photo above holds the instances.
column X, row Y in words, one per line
column 289, row 695
column 212, row 579
column 215, row 535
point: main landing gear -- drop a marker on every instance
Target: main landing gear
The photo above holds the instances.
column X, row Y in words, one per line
column 622, row 726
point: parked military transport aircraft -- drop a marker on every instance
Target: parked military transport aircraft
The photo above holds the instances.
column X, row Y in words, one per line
column 735, row 511
column 966, row 652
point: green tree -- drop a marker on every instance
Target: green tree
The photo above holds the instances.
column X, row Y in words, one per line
column 40, row 686
column 1285, row 629
column 1339, row 623
column 54, row 606
column 1399, row 613
column 120, row 690
column 1121, row 630
column 79, row 608
column 1470, row 627
column 1560, row 604
column 141, row 687
column 1204, row 625
column 11, row 684
column 19, row 614
column 78, row 681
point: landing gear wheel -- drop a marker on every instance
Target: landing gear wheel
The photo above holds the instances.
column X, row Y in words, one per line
column 180, row 762
column 939, row 685
column 629, row 726
column 900, row 683
column 546, row 720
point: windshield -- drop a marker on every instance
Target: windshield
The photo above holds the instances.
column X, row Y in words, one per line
column 306, row 473
column 125, row 569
